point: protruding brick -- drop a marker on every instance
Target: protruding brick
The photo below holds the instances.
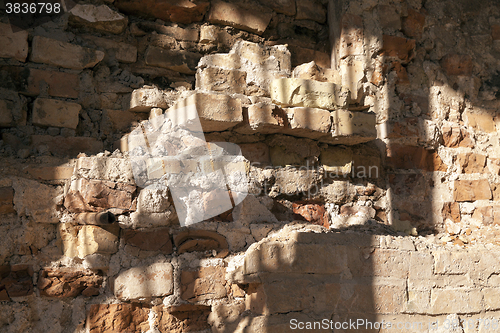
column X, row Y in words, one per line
column 177, row 60
column 471, row 163
column 454, row 136
column 180, row 12
column 471, row 190
column 308, row 122
column 68, row 282
column 337, row 160
column 204, row 283
column 444, row 301
column 216, row 112
column 53, row 52
column 399, row 47
column 59, row 84
column 136, row 283
column 265, row 118
column 144, row 99
column 100, row 18
column 312, row 71
column 225, row 13
column 457, row 64
column 55, row 113
column 349, row 127
column 451, row 210
column 14, row 45
column 124, row 317
column 308, row 93
column 217, row 79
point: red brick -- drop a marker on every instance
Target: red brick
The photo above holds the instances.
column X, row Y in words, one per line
column 457, row 64
column 103, row 318
column 312, row 213
column 471, row 190
column 413, row 24
column 59, row 84
column 412, row 157
column 398, row 47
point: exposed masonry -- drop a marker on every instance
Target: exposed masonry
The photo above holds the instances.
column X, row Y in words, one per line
column 354, row 163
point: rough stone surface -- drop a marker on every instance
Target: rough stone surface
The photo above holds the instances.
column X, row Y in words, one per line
column 7, row 200
column 55, row 113
column 156, row 240
column 59, row 84
column 471, row 190
column 144, row 282
column 202, row 284
column 70, row 146
column 218, row 79
column 181, row 11
column 144, row 99
column 176, row 60
column 66, row 55
column 27, row 194
column 308, row 122
column 239, row 17
column 101, row 18
column 124, row 317
column 308, row 93
column 68, row 282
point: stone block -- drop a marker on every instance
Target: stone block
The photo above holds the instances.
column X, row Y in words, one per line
column 286, row 7
column 471, row 190
column 337, row 160
column 311, row 10
column 68, row 282
column 180, row 12
column 124, row 317
column 100, row 18
column 15, row 281
column 353, row 73
column 480, row 121
column 98, row 195
column 457, row 64
column 7, row 200
column 413, row 157
column 495, row 31
column 230, row 81
column 176, row 60
column 151, row 220
column 308, row 122
column 94, row 239
column 53, row 52
column 256, row 152
column 203, row 284
column 451, row 210
column 55, row 113
column 216, row 112
column 14, row 44
column 491, row 298
column 243, row 18
column 264, row 118
column 308, row 93
column 445, row 301
column 27, row 194
column 51, row 173
column 312, row 71
column 105, row 168
column 121, row 120
column 155, row 240
column 454, row 136
column 59, row 84
column 351, row 128
column 144, row 99
column 301, row 55
column 398, row 47
column 6, row 119
column 122, row 52
column 453, row 262
column 471, row 163
column 486, row 215
column 208, row 34
column 351, row 36
column 182, row 318
column 137, row 283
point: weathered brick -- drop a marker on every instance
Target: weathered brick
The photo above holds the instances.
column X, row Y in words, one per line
column 308, row 122
column 59, row 84
column 402, row 129
column 308, row 93
column 491, row 298
column 7, row 200
column 484, row 215
column 201, row 240
column 471, row 163
column 218, row 79
column 27, row 194
column 182, row 318
column 312, row 71
column 155, row 280
column 351, row 36
column 256, row 152
column 50, row 173
column 444, row 301
column 100, row 18
column 337, row 160
column 495, row 32
column 351, row 128
column 454, row 136
column 68, row 282
column 155, row 240
column 55, row 113
column 176, row 60
column 180, row 12
column 471, row 190
column 412, row 157
column 264, row 118
column 122, row 52
column 454, row 262
column 312, row 213
column 105, row 168
column 94, row 239
column 301, row 55
column 14, row 45
column 480, row 121
column 144, row 99
column 6, row 119
column 53, row 52
column 204, row 283
column 451, row 210
column 399, row 47
column 457, row 64
column 310, row 10
column 208, row 34
column 67, row 146
column 125, row 317
column 216, row 112
column 121, row 120
column 225, row 13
